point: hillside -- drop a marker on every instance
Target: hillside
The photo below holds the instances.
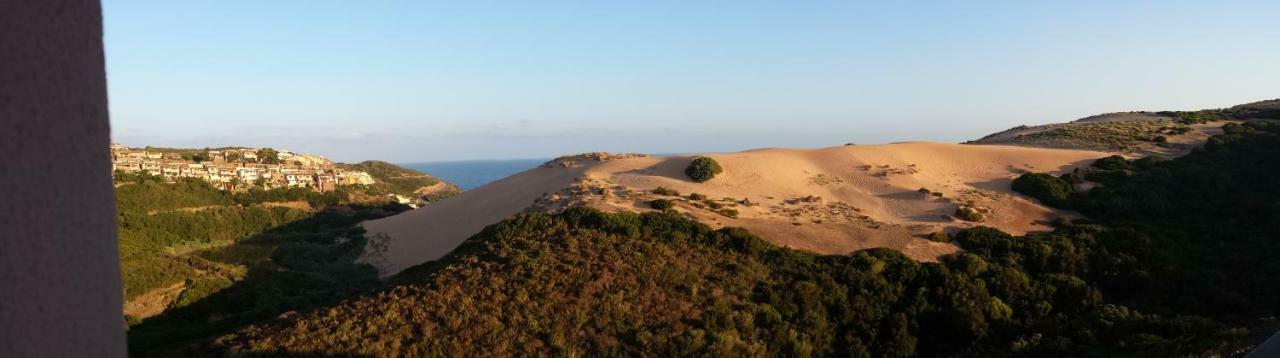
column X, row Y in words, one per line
column 1179, row 262
column 394, row 179
column 830, row 201
column 1135, row 134
column 199, row 261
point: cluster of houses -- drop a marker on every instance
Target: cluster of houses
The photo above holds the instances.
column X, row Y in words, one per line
column 233, row 168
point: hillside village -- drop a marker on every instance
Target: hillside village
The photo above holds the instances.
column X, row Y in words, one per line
column 238, row 168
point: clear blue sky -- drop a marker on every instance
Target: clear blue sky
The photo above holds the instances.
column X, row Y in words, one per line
column 414, row 81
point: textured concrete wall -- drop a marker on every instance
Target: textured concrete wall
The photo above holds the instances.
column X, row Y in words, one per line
column 60, row 290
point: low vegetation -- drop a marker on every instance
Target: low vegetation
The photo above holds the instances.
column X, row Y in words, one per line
column 702, row 169
column 394, row 179
column 1049, row 190
column 234, row 258
column 660, row 204
column 969, row 214
column 665, row 191
column 1139, row 132
column 1178, row 261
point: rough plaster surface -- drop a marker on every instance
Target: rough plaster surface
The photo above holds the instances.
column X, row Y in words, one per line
column 59, row 266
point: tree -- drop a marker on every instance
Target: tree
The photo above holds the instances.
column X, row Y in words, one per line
column 703, row 169
column 268, row 156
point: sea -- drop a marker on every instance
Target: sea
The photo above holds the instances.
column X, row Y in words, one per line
column 470, row 174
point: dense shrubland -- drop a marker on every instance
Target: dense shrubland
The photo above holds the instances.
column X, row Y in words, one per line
column 235, row 260
column 1179, row 261
column 1050, row 190
column 305, row 264
column 588, row 283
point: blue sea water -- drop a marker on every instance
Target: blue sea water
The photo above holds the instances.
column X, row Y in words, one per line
column 470, row 174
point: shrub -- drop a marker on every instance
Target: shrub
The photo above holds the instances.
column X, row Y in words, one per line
column 1050, row 190
column 968, row 214
column 728, row 212
column 660, row 204
column 696, row 196
column 1114, row 162
column 938, row 236
column 1148, row 162
column 665, row 191
column 703, row 169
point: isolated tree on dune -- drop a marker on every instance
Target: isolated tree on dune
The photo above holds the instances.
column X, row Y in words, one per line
column 703, row 169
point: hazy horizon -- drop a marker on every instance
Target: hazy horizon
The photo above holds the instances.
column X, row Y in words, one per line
column 411, row 82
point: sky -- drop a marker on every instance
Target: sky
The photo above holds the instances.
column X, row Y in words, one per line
column 410, row 81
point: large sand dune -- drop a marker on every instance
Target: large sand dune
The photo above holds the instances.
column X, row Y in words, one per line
column 830, row 200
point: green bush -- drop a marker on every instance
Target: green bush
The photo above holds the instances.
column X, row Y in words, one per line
column 1050, row 190
column 660, row 204
column 696, row 196
column 665, row 191
column 728, row 212
column 703, row 169
column 938, row 236
column 968, row 214
column 1114, row 162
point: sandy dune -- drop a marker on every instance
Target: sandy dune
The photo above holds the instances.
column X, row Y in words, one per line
column 830, row 200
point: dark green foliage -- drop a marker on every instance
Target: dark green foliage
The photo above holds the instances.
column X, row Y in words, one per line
column 660, row 204
column 233, row 260
column 394, row 179
column 294, row 265
column 317, row 199
column 145, row 240
column 968, row 214
column 1177, row 261
column 268, row 156
column 143, row 192
column 305, row 271
column 665, row 191
column 1050, row 190
column 938, row 236
column 1114, row 162
column 588, row 283
column 1201, row 116
column 1206, row 222
column 696, row 196
column 702, row 169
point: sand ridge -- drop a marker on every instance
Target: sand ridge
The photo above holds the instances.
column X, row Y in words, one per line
column 831, row 200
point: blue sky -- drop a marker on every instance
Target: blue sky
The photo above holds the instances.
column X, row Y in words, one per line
column 412, row 81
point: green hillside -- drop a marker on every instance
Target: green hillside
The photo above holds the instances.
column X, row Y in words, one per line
column 394, row 179
column 1182, row 265
column 1162, row 132
column 230, row 258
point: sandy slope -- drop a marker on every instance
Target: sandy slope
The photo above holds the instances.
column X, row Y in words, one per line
column 428, row 233
column 830, row 200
